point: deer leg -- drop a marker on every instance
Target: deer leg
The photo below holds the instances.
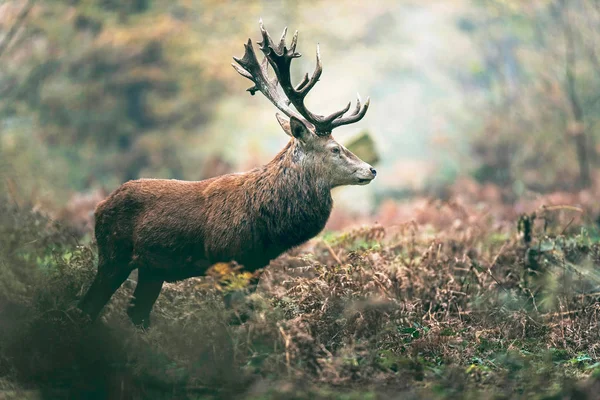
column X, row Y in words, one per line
column 108, row 280
column 146, row 292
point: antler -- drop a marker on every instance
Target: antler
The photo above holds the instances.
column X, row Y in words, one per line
column 280, row 58
column 250, row 68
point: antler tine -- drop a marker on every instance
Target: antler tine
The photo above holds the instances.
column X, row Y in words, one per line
column 280, row 58
column 337, row 114
column 267, row 43
column 358, row 104
column 240, row 70
column 315, row 77
column 294, row 42
column 357, row 114
column 352, row 118
column 249, row 67
column 282, row 40
column 302, row 83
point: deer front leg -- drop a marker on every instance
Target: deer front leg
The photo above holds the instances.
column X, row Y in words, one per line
column 146, row 292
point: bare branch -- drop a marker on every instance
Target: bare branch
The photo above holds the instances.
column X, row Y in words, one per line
column 577, row 110
column 15, row 27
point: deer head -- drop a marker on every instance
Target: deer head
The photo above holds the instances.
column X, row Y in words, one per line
column 311, row 132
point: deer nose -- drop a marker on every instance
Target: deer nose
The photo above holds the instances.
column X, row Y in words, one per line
column 373, row 171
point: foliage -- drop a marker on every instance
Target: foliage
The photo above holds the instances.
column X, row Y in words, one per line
column 538, row 81
column 111, row 90
column 372, row 313
column 490, row 291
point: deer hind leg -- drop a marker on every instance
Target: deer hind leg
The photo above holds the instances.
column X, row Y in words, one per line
column 109, row 278
column 146, row 292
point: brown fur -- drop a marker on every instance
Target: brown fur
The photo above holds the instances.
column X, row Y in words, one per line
column 172, row 230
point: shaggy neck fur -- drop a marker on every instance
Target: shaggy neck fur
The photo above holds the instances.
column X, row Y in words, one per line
column 293, row 199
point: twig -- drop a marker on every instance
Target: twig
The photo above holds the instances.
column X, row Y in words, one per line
column 567, row 227
column 381, row 285
column 286, row 340
column 489, row 269
column 335, row 257
column 498, row 255
column 563, row 207
column 15, row 27
column 560, row 314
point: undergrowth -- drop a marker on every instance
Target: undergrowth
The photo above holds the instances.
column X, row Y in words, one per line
column 494, row 309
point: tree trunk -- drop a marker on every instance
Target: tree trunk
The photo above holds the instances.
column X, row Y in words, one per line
column 577, row 127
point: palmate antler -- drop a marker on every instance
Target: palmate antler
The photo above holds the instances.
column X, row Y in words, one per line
column 280, row 58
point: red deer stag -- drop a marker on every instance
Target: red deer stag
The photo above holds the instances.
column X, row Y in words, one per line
column 172, row 230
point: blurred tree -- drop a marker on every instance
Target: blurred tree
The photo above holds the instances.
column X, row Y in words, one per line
column 112, row 88
column 539, row 78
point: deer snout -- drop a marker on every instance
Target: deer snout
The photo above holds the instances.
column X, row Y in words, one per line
column 365, row 174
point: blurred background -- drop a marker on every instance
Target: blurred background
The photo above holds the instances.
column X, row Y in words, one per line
column 474, row 268
column 495, row 99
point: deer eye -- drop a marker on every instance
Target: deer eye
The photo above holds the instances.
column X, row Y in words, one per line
column 335, row 150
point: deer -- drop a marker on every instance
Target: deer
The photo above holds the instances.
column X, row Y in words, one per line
column 171, row 230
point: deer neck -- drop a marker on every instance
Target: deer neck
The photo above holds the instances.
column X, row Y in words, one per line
column 298, row 201
column 301, row 181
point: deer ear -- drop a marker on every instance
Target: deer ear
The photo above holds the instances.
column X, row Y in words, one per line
column 299, row 130
column 285, row 124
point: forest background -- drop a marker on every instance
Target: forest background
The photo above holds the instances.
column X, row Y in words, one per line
column 476, row 246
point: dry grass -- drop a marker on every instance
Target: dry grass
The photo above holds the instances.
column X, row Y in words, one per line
column 464, row 303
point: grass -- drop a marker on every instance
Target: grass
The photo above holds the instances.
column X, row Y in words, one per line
column 463, row 308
